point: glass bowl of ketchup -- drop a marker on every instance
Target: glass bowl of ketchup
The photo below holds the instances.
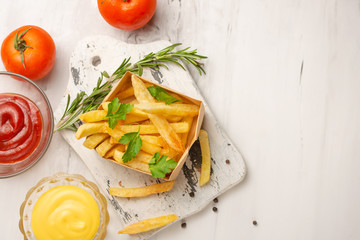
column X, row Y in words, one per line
column 26, row 123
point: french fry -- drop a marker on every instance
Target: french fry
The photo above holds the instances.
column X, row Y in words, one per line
column 172, row 118
column 118, row 147
column 114, row 141
column 89, row 129
column 148, row 224
column 171, row 153
column 153, row 139
column 150, row 148
column 143, row 157
column 179, row 127
column 126, row 93
column 162, row 125
column 100, row 115
column 184, row 110
column 206, row 160
column 184, row 136
column 115, row 133
column 167, row 132
column 93, row 140
column 140, row 91
column 138, row 113
column 129, row 92
column 134, row 111
column 104, row 147
column 137, row 163
column 131, row 118
column 105, row 105
column 146, row 122
column 142, row 191
column 93, row 116
column 118, row 156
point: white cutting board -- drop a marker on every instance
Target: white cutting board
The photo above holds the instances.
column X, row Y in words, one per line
column 98, row 53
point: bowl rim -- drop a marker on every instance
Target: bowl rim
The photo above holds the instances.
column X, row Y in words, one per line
column 103, row 208
column 51, row 123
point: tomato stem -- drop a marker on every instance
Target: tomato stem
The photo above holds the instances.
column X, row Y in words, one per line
column 20, row 44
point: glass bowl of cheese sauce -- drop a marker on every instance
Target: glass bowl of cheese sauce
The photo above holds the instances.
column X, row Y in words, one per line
column 64, row 207
column 26, row 123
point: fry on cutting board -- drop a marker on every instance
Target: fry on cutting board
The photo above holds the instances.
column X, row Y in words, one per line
column 206, row 159
column 88, row 129
column 93, row 116
column 148, row 224
column 166, row 131
column 93, row 140
column 142, row 191
column 184, row 110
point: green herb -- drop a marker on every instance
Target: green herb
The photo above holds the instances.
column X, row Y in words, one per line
column 159, row 167
column 162, row 95
column 135, row 143
column 117, row 111
column 84, row 103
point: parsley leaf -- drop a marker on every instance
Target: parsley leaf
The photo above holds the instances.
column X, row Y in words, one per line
column 117, row 111
column 161, row 95
column 159, row 167
column 135, row 143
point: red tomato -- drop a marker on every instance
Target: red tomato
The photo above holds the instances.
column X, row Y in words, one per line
column 127, row 14
column 34, row 53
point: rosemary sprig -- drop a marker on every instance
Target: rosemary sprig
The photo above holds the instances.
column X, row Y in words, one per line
column 84, row 103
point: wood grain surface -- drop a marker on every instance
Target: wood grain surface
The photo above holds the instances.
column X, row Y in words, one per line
column 282, row 79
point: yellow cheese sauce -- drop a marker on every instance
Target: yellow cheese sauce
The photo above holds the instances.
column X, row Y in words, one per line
column 65, row 212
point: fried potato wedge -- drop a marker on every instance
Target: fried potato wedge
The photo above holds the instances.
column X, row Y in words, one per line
column 104, row 147
column 115, row 133
column 129, row 92
column 142, row 191
column 110, row 153
column 93, row 140
column 138, row 113
column 179, row 127
column 150, row 148
column 206, row 159
column 90, row 129
column 149, row 224
column 93, row 116
column 184, row 110
column 141, row 93
column 131, row 118
column 126, row 93
column 157, row 140
column 168, row 132
column 171, row 153
column 172, row 118
column 139, row 162
column 184, row 136
column 142, row 157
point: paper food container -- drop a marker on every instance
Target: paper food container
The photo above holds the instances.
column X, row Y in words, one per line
column 125, row 82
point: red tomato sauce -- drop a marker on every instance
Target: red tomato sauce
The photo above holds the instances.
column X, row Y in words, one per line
column 20, row 127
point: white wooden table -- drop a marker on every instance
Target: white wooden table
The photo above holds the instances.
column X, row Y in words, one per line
column 283, row 80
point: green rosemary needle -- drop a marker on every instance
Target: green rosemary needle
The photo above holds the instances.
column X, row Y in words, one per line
column 84, row 103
